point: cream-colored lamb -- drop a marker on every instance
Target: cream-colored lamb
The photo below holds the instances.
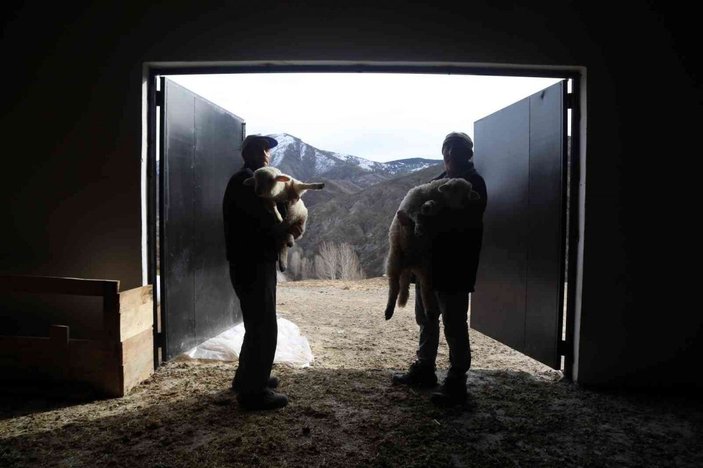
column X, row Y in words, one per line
column 409, row 250
column 275, row 187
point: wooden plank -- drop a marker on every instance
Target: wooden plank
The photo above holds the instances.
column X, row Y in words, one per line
column 21, row 347
column 137, row 358
column 59, row 334
column 108, row 365
column 137, row 345
column 24, row 357
column 135, row 297
column 58, row 363
column 136, row 311
column 36, row 358
column 112, row 379
column 136, row 320
column 97, row 365
column 138, row 370
column 56, row 285
column 89, row 361
column 111, row 312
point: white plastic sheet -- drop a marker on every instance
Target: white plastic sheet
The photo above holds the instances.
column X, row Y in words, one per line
column 292, row 347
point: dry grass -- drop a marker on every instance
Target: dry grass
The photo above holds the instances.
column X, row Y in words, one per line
column 344, row 412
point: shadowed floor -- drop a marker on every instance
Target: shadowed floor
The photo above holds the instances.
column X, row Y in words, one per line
column 344, row 412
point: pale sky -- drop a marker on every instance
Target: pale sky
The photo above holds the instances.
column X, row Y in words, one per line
column 377, row 116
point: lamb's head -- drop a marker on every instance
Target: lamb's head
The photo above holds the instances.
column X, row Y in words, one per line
column 267, row 181
column 457, row 193
column 405, row 221
column 418, row 227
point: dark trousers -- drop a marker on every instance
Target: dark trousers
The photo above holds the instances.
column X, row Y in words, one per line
column 453, row 307
column 255, row 285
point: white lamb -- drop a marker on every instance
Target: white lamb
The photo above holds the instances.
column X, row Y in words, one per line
column 409, row 246
column 275, row 187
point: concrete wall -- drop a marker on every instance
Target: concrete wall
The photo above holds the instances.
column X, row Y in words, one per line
column 72, row 134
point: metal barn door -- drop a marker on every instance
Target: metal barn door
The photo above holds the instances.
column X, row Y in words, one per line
column 200, row 150
column 521, row 153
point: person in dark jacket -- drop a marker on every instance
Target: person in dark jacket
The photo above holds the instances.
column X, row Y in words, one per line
column 253, row 237
column 456, row 246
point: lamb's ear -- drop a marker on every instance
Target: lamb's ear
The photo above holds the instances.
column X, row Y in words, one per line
column 473, row 195
column 448, row 185
column 429, row 208
column 404, row 219
column 282, row 178
column 249, row 181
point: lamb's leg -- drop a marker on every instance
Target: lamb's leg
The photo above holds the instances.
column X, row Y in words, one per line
column 274, row 209
column 283, row 252
column 301, row 224
column 393, row 272
column 404, row 288
column 393, row 288
column 283, row 258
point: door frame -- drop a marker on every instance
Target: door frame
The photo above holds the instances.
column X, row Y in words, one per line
column 575, row 177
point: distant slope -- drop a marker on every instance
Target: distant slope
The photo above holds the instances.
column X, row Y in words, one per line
column 342, row 173
column 362, row 219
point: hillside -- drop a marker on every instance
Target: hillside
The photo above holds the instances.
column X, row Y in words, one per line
column 359, row 200
column 362, row 219
column 342, row 173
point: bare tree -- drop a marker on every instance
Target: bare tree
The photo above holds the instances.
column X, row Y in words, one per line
column 294, row 264
column 307, row 268
column 337, row 261
column 349, row 266
column 327, row 260
column 322, row 269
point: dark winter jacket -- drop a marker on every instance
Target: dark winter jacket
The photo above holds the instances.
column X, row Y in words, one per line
column 456, row 240
column 252, row 232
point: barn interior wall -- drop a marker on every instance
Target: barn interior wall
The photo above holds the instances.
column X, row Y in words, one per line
column 72, row 131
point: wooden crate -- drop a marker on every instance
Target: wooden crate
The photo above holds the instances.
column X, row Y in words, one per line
column 112, row 362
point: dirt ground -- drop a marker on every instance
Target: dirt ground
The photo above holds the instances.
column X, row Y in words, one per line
column 344, row 412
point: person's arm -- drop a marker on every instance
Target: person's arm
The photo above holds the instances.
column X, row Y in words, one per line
column 456, row 236
column 257, row 222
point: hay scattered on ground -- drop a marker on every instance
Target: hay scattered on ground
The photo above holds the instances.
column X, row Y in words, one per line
column 344, row 412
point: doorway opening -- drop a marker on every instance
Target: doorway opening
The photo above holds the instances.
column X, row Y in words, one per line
column 187, row 77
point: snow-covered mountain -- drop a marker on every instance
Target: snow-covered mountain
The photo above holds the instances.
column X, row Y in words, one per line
column 359, row 199
column 305, row 162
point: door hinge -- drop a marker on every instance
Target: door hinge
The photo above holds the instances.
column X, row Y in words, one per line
column 563, row 348
column 160, row 98
column 159, row 340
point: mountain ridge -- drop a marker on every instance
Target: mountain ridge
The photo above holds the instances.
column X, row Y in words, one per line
column 303, row 160
column 359, row 200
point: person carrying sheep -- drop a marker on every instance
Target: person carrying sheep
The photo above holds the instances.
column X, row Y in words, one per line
column 253, row 238
column 278, row 188
column 455, row 249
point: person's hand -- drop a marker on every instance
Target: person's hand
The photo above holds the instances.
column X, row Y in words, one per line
column 296, row 230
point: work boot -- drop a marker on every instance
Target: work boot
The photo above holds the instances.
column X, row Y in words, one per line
column 418, row 375
column 451, row 392
column 266, row 399
column 272, row 383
